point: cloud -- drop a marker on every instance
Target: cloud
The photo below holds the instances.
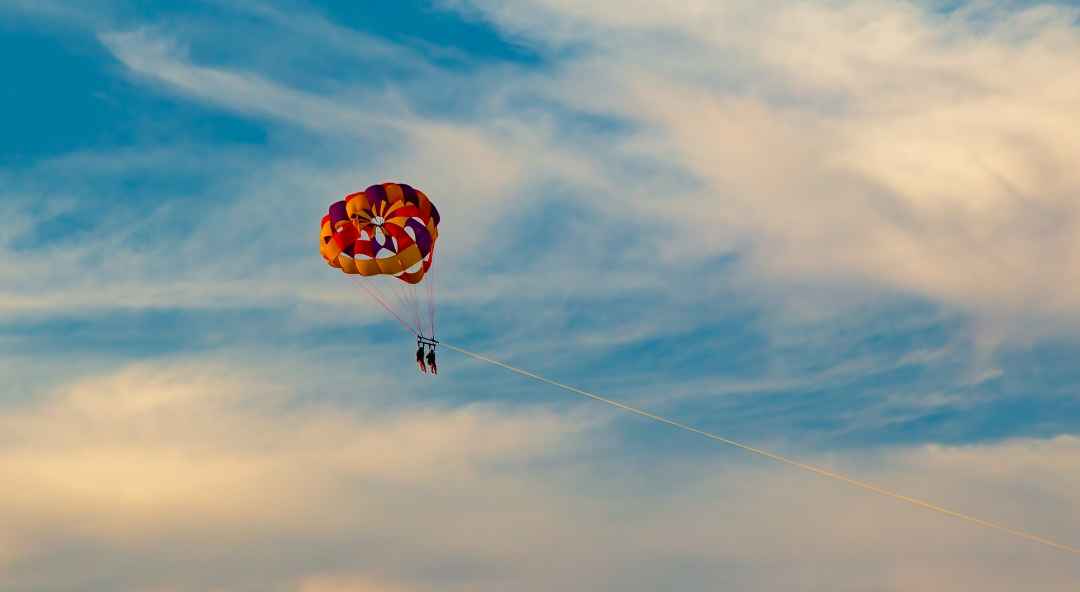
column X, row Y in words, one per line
column 826, row 171
column 586, row 166
column 810, row 154
column 339, row 583
column 702, row 160
column 184, row 451
column 918, row 150
column 257, row 189
column 159, row 438
column 200, row 475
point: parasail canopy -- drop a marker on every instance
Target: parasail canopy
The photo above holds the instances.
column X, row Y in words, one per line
column 387, row 231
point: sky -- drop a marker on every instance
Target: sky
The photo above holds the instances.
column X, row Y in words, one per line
column 847, row 232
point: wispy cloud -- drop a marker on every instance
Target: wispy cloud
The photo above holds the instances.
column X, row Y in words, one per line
column 776, row 220
column 919, row 150
column 196, row 460
column 653, row 199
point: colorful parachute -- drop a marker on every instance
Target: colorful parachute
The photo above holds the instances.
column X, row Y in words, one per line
column 386, row 230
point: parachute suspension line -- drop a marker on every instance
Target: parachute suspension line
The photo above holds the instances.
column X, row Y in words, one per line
column 394, row 292
column 402, row 303
column 431, row 291
column 375, row 295
column 416, row 306
column 431, row 303
column 776, row 457
column 406, row 298
column 402, row 297
column 381, row 298
column 403, row 300
column 409, row 304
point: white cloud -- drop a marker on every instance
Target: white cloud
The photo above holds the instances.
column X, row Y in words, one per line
column 869, row 144
column 825, row 144
column 160, row 438
column 476, row 171
column 348, row 583
column 871, row 141
column 190, row 462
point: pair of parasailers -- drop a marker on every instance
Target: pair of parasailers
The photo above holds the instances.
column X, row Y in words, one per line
column 421, row 342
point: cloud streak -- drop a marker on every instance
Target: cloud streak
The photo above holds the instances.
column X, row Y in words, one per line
column 195, row 460
column 880, row 141
column 771, row 220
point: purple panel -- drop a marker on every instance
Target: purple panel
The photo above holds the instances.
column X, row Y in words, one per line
column 423, row 238
column 410, row 194
column 387, row 243
column 337, row 212
column 376, row 195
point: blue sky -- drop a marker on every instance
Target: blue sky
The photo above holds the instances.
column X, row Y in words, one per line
column 846, row 232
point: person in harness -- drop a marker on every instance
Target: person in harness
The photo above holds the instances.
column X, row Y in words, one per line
column 431, row 360
column 420, row 356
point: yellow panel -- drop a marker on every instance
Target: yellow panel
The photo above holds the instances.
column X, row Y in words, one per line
column 356, row 205
column 389, row 265
column 348, row 265
column 409, row 256
column 367, row 267
column 394, row 192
